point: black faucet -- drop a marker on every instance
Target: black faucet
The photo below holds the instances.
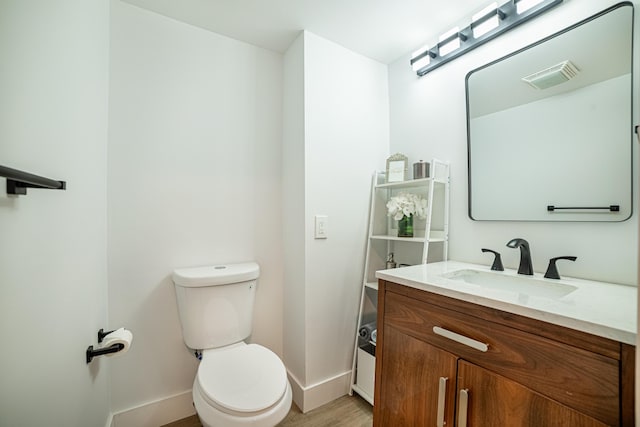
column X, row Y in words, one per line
column 497, row 260
column 525, row 255
column 552, row 270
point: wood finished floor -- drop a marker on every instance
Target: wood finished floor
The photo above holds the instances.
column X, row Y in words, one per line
column 348, row 411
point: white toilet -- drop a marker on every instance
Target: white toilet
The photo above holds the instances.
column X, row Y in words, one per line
column 237, row 384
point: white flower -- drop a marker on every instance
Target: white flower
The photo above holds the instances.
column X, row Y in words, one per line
column 407, row 204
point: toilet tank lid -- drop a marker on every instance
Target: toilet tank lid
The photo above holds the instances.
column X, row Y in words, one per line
column 212, row 275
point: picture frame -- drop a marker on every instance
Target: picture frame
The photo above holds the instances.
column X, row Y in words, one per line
column 397, row 168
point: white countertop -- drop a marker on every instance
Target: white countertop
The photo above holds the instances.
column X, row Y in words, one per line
column 603, row 309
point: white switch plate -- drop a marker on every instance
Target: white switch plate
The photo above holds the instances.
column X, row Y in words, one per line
column 322, row 223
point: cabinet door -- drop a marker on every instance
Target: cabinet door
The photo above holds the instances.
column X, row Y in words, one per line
column 495, row 401
column 417, row 385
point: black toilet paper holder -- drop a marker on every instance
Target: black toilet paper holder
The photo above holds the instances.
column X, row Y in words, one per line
column 102, row 334
column 91, row 353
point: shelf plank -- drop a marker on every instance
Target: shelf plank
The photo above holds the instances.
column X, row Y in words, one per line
column 411, row 183
column 396, row 238
column 436, row 236
column 372, row 285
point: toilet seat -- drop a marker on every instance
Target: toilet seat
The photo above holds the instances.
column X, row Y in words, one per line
column 242, row 378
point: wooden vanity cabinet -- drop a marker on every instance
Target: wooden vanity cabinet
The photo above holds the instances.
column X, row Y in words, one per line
column 411, row 386
column 499, row 369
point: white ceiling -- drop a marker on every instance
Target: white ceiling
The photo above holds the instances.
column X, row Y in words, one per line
column 383, row 30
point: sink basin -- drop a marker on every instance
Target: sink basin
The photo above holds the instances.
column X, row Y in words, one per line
column 524, row 285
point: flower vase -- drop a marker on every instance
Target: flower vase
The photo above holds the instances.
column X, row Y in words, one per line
column 405, row 226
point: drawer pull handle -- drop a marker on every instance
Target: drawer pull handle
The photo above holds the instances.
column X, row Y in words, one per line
column 442, row 394
column 460, row 339
column 464, row 404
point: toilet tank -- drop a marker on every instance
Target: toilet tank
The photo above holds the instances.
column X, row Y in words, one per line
column 215, row 303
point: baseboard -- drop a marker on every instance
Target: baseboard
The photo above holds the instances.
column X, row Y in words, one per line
column 157, row 413
column 297, row 390
column 173, row 408
column 315, row 395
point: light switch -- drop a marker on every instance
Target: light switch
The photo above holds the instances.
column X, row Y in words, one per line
column 322, row 223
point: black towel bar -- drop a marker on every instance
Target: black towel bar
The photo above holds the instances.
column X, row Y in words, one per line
column 611, row 208
column 18, row 181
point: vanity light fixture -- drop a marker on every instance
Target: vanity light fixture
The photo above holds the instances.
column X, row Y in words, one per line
column 450, row 41
column 421, row 58
column 523, row 5
column 485, row 25
column 485, row 20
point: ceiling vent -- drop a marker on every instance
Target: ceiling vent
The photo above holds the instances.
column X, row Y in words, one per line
column 552, row 76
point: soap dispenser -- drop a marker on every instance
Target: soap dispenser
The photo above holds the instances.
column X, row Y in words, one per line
column 390, row 262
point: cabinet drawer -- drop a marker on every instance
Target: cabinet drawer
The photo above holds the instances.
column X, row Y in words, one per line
column 580, row 379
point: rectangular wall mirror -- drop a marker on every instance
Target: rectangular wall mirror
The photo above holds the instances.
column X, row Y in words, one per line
column 557, row 147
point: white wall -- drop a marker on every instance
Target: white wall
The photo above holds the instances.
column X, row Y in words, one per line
column 194, row 179
column 345, row 138
column 293, row 213
column 53, row 287
column 428, row 119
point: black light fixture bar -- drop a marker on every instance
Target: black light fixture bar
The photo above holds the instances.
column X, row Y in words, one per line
column 508, row 19
column 18, row 181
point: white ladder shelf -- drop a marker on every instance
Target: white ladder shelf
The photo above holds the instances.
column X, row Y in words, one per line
column 382, row 240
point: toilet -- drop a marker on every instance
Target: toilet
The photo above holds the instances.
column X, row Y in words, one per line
column 237, row 384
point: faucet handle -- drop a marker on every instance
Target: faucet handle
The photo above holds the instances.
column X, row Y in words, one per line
column 552, row 270
column 497, row 261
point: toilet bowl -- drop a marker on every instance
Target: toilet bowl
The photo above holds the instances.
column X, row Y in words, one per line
column 241, row 385
column 237, row 384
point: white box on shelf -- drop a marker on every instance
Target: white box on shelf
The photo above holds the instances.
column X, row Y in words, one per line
column 366, row 369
